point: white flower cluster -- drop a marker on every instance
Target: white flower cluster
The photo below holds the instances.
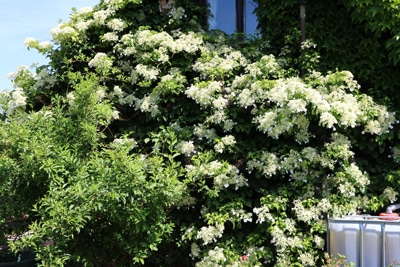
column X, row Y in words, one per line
column 213, row 95
column 215, row 258
column 204, row 93
column 284, row 241
column 263, row 214
column 351, row 180
column 390, row 194
column 43, row 47
column 30, row 41
column 299, row 166
column 338, row 148
column 223, row 174
column 265, row 68
column 125, row 142
column 161, row 43
column 219, row 62
column 203, row 132
column 116, row 25
column 345, row 107
column 267, row 164
column 319, row 242
column 84, row 10
column 225, row 142
column 110, row 37
column 149, row 104
column 82, row 26
column 71, row 98
column 63, row 32
column 194, row 250
column 101, row 62
column 307, row 259
column 242, row 215
column 186, row 42
column 313, row 213
column 149, row 73
column 187, row 148
column 18, row 99
column 377, row 119
column 178, row 13
column 290, row 98
column 210, row 233
column 80, row 21
column 229, row 177
column 101, row 16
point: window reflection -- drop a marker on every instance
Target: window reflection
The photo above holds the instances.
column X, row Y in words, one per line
column 250, row 17
column 233, row 15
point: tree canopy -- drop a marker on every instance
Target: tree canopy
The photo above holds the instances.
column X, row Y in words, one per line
column 149, row 141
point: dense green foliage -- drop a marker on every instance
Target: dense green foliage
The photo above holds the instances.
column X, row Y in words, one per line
column 147, row 140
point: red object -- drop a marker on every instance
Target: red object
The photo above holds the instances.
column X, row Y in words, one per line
column 244, row 257
column 389, row 216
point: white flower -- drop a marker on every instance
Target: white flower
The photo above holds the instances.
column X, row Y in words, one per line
column 194, row 250
column 297, row 105
column 214, row 258
column 130, row 142
column 228, row 125
column 303, row 214
column 319, row 242
column 19, row 97
column 30, row 41
column 186, row 147
column 101, row 16
column 147, row 72
column 307, row 259
column 373, row 127
column 220, row 103
column 83, row 25
column 100, row 94
column 115, row 115
column 116, row 24
column 263, row 214
column 118, row 91
column 268, row 164
column 245, row 98
column 84, row 10
column 101, row 62
column 390, row 194
column 45, row 45
column 110, row 36
column 210, row 233
column 71, row 98
column 328, row 120
column 178, row 13
column 204, row 93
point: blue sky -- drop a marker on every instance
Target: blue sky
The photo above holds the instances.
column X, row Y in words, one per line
column 20, row 19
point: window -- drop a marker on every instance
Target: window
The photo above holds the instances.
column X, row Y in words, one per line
column 233, row 16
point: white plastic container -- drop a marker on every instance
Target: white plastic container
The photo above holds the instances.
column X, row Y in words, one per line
column 367, row 241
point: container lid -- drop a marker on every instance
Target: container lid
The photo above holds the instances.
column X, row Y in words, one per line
column 389, row 216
